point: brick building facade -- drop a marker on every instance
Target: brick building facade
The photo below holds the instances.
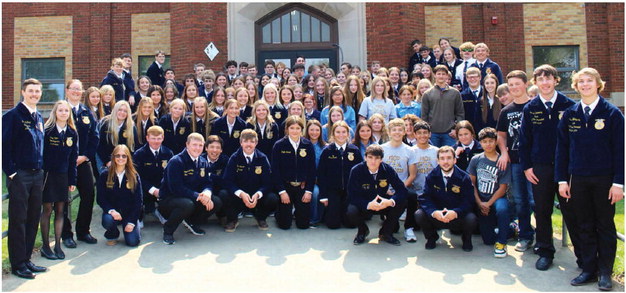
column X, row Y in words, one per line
column 88, row 35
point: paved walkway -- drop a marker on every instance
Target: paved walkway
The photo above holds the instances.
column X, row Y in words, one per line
column 275, row 260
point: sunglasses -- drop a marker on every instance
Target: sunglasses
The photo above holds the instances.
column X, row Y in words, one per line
column 468, row 50
column 122, row 156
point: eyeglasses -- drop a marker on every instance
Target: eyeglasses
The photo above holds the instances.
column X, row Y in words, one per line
column 468, row 50
column 120, row 156
column 76, row 89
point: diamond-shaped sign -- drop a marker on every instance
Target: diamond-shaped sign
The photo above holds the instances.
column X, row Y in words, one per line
column 211, row 51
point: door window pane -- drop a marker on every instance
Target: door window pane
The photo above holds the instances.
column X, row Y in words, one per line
column 50, row 72
column 146, row 61
column 276, row 31
column 315, row 30
column 306, row 27
column 267, row 34
column 286, row 28
column 295, row 26
column 325, row 32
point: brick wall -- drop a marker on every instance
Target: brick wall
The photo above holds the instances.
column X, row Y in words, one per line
column 146, row 40
column 390, row 29
column 605, row 38
column 443, row 21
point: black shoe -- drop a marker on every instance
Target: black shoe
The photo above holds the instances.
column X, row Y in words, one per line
column 47, row 253
column 194, row 229
column 69, row 243
column 430, row 244
column 389, row 239
column 584, row 278
column 87, row 238
column 58, row 252
column 605, row 283
column 168, row 239
column 467, row 246
column 35, row 268
column 360, row 237
column 543, row 263
column 23, row 273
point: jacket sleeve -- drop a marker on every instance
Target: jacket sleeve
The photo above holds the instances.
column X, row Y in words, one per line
column 71, row 166
column 276, row 168
column 102, row 142
column 468, row 198
column 8, row 162
column 266, row 185
column 310, row 174
column 355, row 195
column 561, row 160
column 92, row 141
column 425, row 199
column 229, row 175
column 525, row 140
column 618, row 146
column 102, row 197
column 135, row 211
column 176, row 181
column 459, row 109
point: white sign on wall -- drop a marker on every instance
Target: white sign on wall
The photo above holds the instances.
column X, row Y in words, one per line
column 211, row 51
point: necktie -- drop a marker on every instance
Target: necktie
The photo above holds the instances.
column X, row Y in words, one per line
column 156, row 154
column 475, row 93
column 248, row 160
column 35, row 117
column 374, row 175
column 341, row 150
column 195, row 162
column 480, row 66
column 587, row 112
column 465, row 68
column 446, row 179
column 62, row 135
column 467, row 150
column 549, row 107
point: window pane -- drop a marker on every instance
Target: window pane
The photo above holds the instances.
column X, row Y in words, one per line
column 286, row 28
column 146, row 61
column 295, row 26
column 276, row 31
column 306, row 27
column 565, row 85
column 558, row 56
column 52, row 92
column 44, row 68
column 315, row 29
column 267, row 34
column 325, row 32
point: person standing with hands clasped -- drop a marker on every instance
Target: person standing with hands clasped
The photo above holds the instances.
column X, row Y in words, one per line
column 59, row 164
column 589, row 168
column 22, row 163
column 120, row 197
column 369, row 193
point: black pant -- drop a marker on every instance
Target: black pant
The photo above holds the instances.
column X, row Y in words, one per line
column 177, row 209
column 594, row 215
column 85, row 186
column 25, row 192
column 233, row 205
column 357, row 216
column 303, row 210
column 430, row 225
column 544, row 194
column 411, row 207
column 335, row 212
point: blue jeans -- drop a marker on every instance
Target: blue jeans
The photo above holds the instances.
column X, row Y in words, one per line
column 112, row 232
column 441, row 139
column 317, row 209
column 524, row 202
column 498, row 217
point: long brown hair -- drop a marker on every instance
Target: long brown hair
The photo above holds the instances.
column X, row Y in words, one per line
column 131, row 172
column 355, row 99
column 139, row 118
column 209, row 116
column 99, row 113
column 497, row 106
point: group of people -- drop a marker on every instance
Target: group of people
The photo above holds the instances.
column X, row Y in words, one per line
column 449, row 143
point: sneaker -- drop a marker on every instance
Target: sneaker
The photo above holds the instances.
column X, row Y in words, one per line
column 514, row 227
column 409, row 235
column 430, row 244
column 240, row 215
column 168, row 239
column 523, row 245
column 248, row 214
column 499, row 250
column 195, row 230
column 231, row 226
column 403, row 216
column 159, row 216
column 140, row 224
column 262, row 225
column 111, row 242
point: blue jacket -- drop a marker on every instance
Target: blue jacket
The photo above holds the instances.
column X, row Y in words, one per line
column 151, row 168
column 315, row 115
column 129, row 85
column 175, row 139
column 88, row 132
column 591, row 148
column 216, row 171
column 333, row 171
column 457, row 195
column 125, row 201
column 538, row 132
column 156, row 74
column 59, row 154
column 464, row 158
column 231, row 141
column 279, row 113
column 471, row 106
column 362, row 188
column 267, row 140
column 245, row 113
column 182, row 178
column 105, row 146
column 490, row 67
column 250, row 178
column 117, row 84
column 290, row 166
column 22, row 140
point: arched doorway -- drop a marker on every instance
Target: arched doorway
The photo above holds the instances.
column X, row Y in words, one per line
column 296, row 29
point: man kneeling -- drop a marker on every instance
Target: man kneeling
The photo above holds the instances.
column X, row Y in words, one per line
column 447, row 201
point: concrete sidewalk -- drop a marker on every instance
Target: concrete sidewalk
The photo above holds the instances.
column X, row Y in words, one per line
column 294, row 260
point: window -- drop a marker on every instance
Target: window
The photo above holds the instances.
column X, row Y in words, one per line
column 563, row 58
column 296, row 27
column 146, row 61
column 51, row 73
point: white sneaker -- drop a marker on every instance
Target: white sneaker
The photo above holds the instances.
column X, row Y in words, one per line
column 160, row 217
column 499, row 250
column 409, row 235
column 523, row 245
column 403, row 216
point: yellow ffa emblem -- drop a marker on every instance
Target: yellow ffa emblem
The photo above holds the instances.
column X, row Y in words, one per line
column 69, row 142
column 350, row 156
column 124, row 135
column 181, row 131
column 488, row 71
column 201, row 172
column 456, row 189
column 236, row 134
column 278, row 115
column 560, row 114
column 270, row 135
column 258, row 170
column 302, row 153
column 599, row 124
column 383, row 183
column 163, row 163
column 86, row 120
